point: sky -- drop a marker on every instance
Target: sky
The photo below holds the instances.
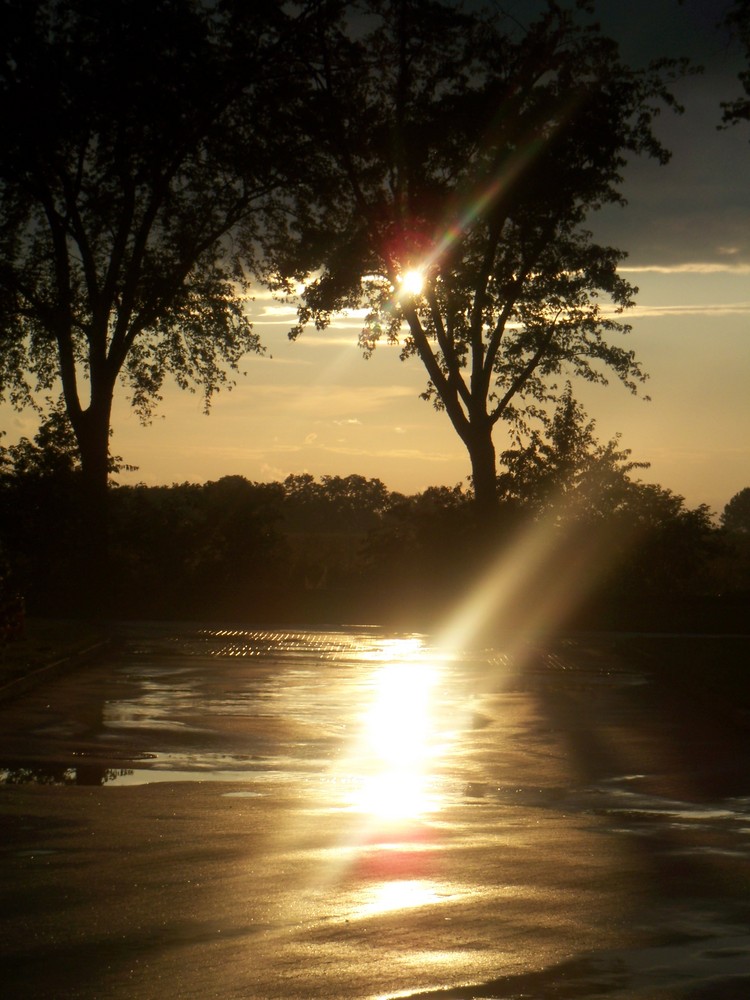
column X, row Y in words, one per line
column 317, row 406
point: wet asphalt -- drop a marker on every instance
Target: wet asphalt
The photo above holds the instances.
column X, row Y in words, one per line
column 343, row 814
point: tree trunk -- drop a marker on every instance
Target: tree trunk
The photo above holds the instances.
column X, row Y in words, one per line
column 92, row 433
column 483, row 469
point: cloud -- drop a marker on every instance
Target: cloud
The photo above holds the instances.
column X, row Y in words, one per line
column 275, row 315
column 271, row 473
column 326, row 401
column 689, row 267
column 412, row 454
column 723, row 309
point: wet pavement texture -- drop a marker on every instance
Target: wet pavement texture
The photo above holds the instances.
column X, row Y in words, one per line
column 349, row 814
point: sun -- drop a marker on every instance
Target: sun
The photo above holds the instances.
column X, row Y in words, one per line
column 412, row 282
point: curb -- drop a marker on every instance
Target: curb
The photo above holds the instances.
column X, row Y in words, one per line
column 24, row 682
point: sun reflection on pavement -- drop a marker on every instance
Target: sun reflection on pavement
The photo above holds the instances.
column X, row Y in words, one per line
column 393, row 795
column 392, row 786
column 403, row 894
column 398, row 743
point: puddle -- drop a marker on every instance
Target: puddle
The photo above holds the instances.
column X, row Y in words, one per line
column 677, row 814
column 52, row 774
column 99, row 774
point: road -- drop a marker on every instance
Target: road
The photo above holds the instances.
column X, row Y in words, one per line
column 239, row 813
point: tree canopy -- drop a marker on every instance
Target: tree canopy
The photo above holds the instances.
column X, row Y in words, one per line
column 736, row 514
column 738, row 21
column 469, row 149
column 136, row 138
column 567, row 471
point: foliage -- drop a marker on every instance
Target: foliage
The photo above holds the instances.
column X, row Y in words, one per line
column 738, row 22
column 568, row 472
column 343, row 549
column 647, row 549
column 136, row 138
column 736, row 514
column 733, row 563
column 190, row 550
column 461, row 145
column 53, row 451
column 426, row 552
column 40, row 512
column 335, row 503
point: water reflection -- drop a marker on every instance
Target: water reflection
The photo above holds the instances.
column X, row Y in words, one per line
column 60, row 774
column 400, row 894
column 397, row 725
column 399, row 743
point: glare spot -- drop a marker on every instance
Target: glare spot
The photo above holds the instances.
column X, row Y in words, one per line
column 398, row 743
column 391, row 795
column 397, row 727
column 401, row 895
column 412, row 282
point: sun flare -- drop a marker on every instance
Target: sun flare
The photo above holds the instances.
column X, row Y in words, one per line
column 412, row 282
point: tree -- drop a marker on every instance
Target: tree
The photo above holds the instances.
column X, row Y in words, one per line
column 191, row 550
column 638, row 551
column 325, row 523
column 456, row 159
column 736, row 515
column 53, row 451
column 567, row 472
column 40, row 516
column 136, row 137
column 423, row 556
column 734, row 565
column 737, row 20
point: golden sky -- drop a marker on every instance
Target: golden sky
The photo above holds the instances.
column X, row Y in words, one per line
column 317, row 406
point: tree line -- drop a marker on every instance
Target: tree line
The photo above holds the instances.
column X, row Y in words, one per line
column 599, row 547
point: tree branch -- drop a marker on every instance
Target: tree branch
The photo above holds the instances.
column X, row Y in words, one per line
column 445, row 389
column 447, row 346
column 523, row 376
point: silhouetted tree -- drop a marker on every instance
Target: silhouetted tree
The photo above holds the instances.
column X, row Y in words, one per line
column 342, row 504
column 567, row 471
column 738, row 22
column 135, row 138
column 736, row 514
column 53, row 452
column 660, row 555
column 199, row 550
column 472, row 150
column 733, row 564
column 641, row 550
column 40, row 516
column 325, row 523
